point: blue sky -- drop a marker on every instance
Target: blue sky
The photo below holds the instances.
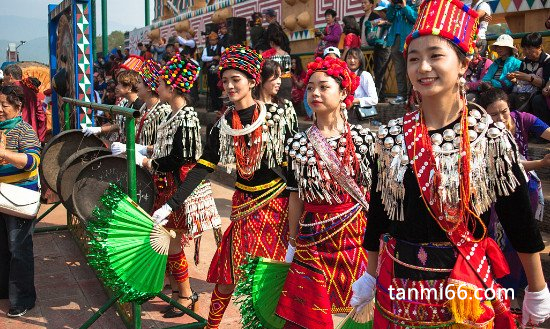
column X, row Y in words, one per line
column 27, row 20
column 121, row 14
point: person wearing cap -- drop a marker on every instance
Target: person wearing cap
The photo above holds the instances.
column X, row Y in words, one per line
column 274, row 28
column 401, row 14
column 440, row 169
column 331, row 52
column 210, row 59
column 375, row 31
column 252, row 135
column 177, row 147
column 497, row 74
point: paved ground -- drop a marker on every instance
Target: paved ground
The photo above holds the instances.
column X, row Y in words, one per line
column 69, row 293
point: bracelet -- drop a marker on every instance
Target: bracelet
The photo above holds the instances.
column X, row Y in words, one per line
column 292, row 239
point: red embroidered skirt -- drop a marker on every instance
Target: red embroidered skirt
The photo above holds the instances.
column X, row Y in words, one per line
column 320, row 277
column 264, row 233
column 198, row 214
column 416, row 306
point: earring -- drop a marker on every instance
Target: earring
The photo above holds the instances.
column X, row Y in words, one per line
column 462, row 89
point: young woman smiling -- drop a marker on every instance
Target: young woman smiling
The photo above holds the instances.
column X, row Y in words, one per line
column 250, row 134
column 328, row 177
column 441, row 167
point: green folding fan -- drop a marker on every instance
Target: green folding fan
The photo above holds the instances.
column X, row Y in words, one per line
column 357, row 321
column 127, row 250
column 258, row 291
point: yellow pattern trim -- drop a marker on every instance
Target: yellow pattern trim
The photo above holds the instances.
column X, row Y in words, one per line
column 257, row 187
column 207, row 163
column 19, row 177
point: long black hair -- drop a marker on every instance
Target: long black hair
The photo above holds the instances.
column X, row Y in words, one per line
column 270, row 70
column 299, row 66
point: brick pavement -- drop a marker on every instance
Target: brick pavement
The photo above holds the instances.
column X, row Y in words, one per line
column 69, row 293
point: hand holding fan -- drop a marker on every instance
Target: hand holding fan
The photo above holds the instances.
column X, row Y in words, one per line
column 127, row 250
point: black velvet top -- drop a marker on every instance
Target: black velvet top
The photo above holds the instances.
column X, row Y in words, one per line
column 211, row 157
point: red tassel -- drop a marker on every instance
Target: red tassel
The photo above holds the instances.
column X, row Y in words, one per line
column 504, row 319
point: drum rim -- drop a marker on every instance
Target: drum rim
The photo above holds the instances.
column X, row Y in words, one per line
column 48, row 146
column 78, row 212
column 64, row 167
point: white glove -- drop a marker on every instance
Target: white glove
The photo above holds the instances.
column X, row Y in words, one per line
column 139, row 159
column 536, row 307
column 160, row 216
column 141, row 149
column 363, row 291
column 118, row 148
column 88, row 131
column 290, row 253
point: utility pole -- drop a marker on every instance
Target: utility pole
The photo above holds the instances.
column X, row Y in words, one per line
column 147, row 17
column 104, row 32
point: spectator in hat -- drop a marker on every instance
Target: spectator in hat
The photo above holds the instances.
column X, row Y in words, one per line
column 274, row 28
column 210, row 59
column 497, row 74
column 330, row 35
column 331, row 52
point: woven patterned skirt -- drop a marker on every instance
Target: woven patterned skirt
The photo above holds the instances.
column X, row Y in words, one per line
column 199, row 213
column 322, row 272
column 263, row 233
column 417, row 298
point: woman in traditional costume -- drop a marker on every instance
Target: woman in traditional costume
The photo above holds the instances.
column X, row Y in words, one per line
column 153, row 111
column 328, row 177
column 177, row 147
column 522, row 125
column 440, row 168
column 252, row 134
column 280, row 56
column 270, row 85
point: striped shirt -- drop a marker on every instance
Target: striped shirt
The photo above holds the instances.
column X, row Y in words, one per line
column 22, row 139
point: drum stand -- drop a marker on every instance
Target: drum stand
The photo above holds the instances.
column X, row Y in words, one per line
column 129, row 128
column 136, row 310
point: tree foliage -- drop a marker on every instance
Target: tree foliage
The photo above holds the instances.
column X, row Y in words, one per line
column 115, row 39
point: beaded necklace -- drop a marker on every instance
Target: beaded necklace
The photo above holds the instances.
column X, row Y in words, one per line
column 454, row 214
column 247, row 157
